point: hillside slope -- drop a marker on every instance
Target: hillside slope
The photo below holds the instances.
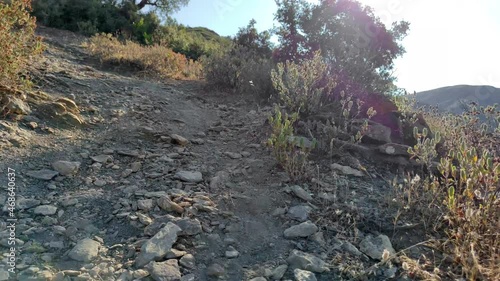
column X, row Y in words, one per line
column 452, row 98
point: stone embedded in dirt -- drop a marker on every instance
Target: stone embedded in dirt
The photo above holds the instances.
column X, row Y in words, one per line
column 130, row 153
column 219, row 180
column 279, row 212
column 14, row 105
column 301, row 193
column 168, row 205
column 374, row 246
column 279, row 272
column 179, row 140
column 305, row 261
column 189, row 227
column 188, row 277
column 145, row 204
column 165, row 271
column 103, row 158
column 319, row 238
column 394, row 149
column 327, row 196
column 198, row 141
column 43, row 174
column 215, row 270
column 145, row 220
column 99, row 183
column 304, row 229
column 346, row 170
column 350, row 248
column 258, row 279
column 376, row 133
column 46, row 210
column 300, row 213
column 126, row 173
column 136, row 166
column 85, row 250
column 304, row 275
column 175, row 254
column 26, row 203
column 158, row 246
column 66, row 168
column 232, row 155
column 231, row 253
column 188, row 261
column 188, row 176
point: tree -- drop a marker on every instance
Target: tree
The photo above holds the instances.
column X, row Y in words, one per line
column 165, row 6
column 358, row 47
column 250, row 38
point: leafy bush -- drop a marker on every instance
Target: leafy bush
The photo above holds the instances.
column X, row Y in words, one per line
column 299, row 85
column 156, row 60
column 241, row 70
column 194, row 43
column 465, row 197
column 18, row 43
column 291, row 152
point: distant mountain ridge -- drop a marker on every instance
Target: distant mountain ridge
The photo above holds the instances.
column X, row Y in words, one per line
column 452, row 98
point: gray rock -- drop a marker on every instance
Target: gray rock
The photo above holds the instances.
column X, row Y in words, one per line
column 188, row 277
column 300, row 213
column 304, row 275
column 301, row 193
column 159, row 245
column 233, row 155
column 258, row 279
column 66, row 168
column 168, row 205
column 188, row 176
column 103, row 158
column 350, row 248
column 27, row 203
column 44, row 174
column 376, row 133
column 346, row 170
column 394, row 149
column 46, row 210
column 165, row 271
column 305, row 261
column 145, row 204
column 374, row 246
column 188, row 261
column 189, row 227
column 231, row 253
column 215, row 270
column 179, row 140
column 279, row 272
column 4, row 274
column 85, row 250
column 304, row 229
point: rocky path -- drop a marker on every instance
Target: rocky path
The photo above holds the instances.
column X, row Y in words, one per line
column 167, row 182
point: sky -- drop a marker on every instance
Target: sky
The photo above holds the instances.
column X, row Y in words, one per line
column 450, row 42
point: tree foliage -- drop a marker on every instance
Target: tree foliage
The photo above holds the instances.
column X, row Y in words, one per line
column 358, row 47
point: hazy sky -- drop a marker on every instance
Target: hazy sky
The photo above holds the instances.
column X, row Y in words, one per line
column 450, row 41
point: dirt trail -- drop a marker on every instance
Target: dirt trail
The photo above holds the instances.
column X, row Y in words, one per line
column 113, row 201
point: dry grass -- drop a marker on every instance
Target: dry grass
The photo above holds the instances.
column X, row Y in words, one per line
column 153, row 60
column 463, row 202
column 18, row 43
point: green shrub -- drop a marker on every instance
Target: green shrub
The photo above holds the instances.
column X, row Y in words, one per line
column 299, row 85
column 465, row 198
column 290, row 152
column 241, row 70
column 18, row 43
